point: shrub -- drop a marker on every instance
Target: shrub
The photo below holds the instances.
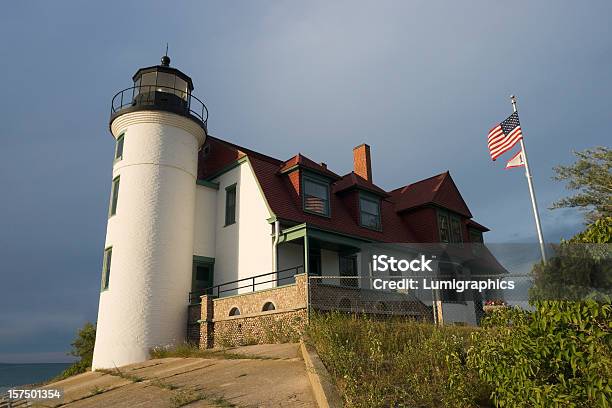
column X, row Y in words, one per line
column 558, row 355
column 83, row 348
column 396, row 362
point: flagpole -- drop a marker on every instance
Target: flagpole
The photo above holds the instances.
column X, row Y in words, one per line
column 534, row 203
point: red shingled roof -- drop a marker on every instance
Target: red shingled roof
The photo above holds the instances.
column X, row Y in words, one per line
column 440, row 190
column 353, row 180
column 277, row 188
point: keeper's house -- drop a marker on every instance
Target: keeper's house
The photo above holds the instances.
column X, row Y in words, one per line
column 207, row 235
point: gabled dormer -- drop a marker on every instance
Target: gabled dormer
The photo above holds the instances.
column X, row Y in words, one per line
column 311, row 184
column 359, row 194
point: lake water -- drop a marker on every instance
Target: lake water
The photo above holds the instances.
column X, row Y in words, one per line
column 12, row 375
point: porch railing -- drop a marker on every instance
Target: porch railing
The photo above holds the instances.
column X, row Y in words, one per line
column 251, row 284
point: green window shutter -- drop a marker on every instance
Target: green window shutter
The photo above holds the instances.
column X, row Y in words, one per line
column 230, row 205
column 106, row 266
column 119, row 148
column 114, row 197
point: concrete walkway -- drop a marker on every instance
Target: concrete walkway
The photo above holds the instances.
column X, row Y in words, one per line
column 252, row 376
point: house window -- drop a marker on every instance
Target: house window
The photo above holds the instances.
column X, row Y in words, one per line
column 106, row 265
column 119, row 148
column 369, row 210
column 314, row 261
column 316, row 196
column 476, row 236
column 456, row 235
column 443, row 226
column 348, row 267
column 202, row 275
column 230, row 205
column 114, row 197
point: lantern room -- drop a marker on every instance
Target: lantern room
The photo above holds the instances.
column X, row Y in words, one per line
column 160, row 87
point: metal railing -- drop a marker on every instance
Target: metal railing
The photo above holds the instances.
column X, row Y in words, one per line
column 149, row 95
column 251, row 283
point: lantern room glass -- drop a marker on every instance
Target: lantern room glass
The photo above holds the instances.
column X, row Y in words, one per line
column 158, row 81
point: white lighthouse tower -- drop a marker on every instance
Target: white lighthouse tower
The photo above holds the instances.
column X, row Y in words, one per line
column 159, row 126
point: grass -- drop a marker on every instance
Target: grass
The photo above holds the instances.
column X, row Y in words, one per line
column 397, row 363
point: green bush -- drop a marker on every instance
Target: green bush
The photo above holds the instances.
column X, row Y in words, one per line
column 83, row 348
column 397, row 362
column 558, row 355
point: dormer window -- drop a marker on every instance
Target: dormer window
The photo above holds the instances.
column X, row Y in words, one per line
column 316, row 195
column 369, row 211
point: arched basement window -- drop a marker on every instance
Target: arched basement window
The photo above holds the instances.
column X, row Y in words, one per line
column 268, row 306
column 234, row 311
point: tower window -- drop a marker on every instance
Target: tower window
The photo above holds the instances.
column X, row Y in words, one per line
column 114, row 197
column 369, row 212
column 119, row 148
column 230, row 205
column 316, row 196
column 106, row 265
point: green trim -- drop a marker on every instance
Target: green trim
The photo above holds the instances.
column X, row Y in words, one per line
column 290, row 169
column 106, row 268
column 203, row 259
column 112, row 208
column 120, row 139
column 272, row 219
column 261, row 192
column 229, row 189
column 313, row 178
column 373, row 199
column 227, row 168
column 207, row 183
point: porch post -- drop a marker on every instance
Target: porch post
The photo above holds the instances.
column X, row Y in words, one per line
column 306, row 252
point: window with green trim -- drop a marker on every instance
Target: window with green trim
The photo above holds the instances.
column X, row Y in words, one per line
column 369, row 212
column 106, row 267
column 443, row 227
column 119, row 147
column 476, row 236
column 316, row 196
column 230, row 205
column 456, row 235
column 114, row 197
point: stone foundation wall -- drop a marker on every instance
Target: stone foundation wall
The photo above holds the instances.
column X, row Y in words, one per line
column 241, row 319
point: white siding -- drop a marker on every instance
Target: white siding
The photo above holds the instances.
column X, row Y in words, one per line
column 152, row 239
column 243, row 249
column 205, row 221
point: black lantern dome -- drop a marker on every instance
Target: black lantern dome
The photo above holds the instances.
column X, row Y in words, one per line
column 160, row 87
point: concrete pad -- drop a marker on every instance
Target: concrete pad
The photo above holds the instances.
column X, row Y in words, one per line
column 275, row 377
column 261, row 383
column 128, row 396
column 170, row 368
column 286, row 351
column 84, row 385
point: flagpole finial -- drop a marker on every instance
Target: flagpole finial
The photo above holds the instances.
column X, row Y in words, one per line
column 513, row 100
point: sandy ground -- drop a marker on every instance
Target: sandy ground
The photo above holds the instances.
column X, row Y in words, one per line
column 268, row 375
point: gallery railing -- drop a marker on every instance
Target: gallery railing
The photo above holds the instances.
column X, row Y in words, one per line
column 162, row 97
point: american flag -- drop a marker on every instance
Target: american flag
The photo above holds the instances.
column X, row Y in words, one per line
column 504, row 136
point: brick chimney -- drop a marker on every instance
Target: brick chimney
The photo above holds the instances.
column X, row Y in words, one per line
column 362, row 164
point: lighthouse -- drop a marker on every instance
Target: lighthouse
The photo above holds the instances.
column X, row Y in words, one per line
column 158, row 126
